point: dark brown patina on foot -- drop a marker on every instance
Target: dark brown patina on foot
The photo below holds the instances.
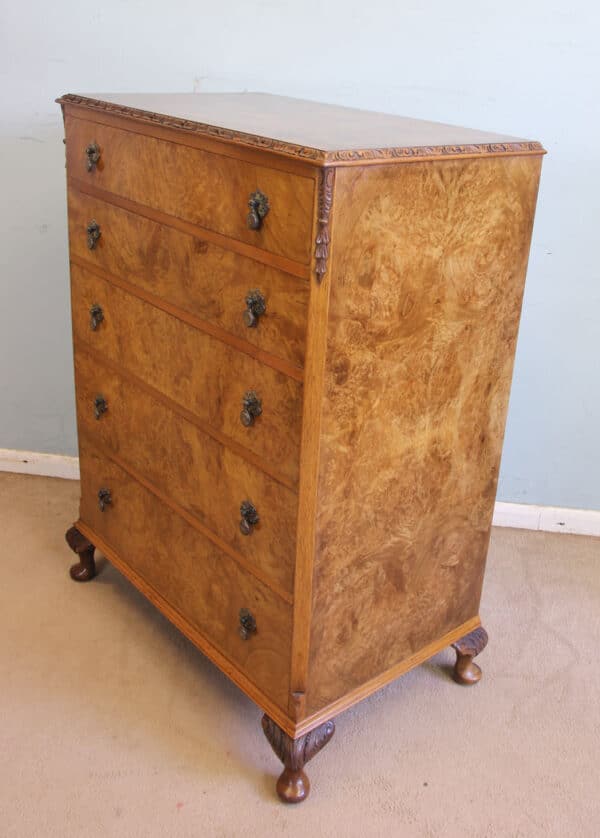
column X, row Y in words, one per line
column 293, row 785
column 466, row 671
column 85, row 569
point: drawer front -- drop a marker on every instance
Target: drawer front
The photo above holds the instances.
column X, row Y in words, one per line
column 198, row 186
column 203, row 584
column 198, row 372
column 204, row 477
column 198, row 277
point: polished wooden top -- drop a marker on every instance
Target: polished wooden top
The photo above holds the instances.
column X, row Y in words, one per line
column 302, row 128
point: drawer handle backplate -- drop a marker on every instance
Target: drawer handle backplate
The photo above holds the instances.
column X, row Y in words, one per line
column 93, row 234
column 92, row 153
column 96, row 316
column 258, row 204
column 255, row 308
column 251, row 408
column 247, row 624
column 104, row 499
column 100, row 406
column 250, row 517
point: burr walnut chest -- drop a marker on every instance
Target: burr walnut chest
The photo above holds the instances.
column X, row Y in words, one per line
column 294, row 327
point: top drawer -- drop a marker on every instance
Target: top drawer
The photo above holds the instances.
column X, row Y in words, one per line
column 207, row 189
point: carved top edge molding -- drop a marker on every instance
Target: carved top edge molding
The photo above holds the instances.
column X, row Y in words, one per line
column 313, row 155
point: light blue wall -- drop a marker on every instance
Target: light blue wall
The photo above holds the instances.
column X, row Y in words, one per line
column 525, row 68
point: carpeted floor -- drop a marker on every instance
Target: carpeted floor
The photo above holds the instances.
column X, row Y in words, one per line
column 112, row 724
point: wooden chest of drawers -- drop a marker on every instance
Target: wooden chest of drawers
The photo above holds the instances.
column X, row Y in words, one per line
column 294, row 329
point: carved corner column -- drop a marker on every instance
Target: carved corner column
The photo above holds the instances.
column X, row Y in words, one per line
column 85, row 569
column 293, row 785
column 466, row 671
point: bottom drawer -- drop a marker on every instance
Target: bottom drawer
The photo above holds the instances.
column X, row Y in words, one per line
column 203, row 584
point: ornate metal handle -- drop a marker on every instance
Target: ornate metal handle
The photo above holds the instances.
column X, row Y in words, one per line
column 255, row 307
column 96, row 316
column 100, row 406
column 250, row 517
column 104, row 499
column 258, row 204
column 92, row 153
column 247, row 624
column 251, row 408
column 93, row 234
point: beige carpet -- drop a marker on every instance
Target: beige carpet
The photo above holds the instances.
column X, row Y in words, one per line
column 112, row 724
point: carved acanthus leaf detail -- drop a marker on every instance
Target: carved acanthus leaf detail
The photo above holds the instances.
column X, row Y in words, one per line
column 473, row 643
column 295, row 753
column 326, row 184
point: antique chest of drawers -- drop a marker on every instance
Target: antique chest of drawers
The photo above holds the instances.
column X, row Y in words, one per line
column 294, row 327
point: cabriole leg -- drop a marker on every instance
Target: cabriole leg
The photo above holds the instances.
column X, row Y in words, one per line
column 466, row 671
column 85, row 569
column 293, row 785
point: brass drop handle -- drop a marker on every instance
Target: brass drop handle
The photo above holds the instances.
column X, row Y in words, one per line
column 255, row 308
column 96, row 316
column 250, row 517
column 100, row 406
column 251, row 408
column 92, row 153
column 104, row 499
column 258, row 204
column 93, row 234
column 247, row 624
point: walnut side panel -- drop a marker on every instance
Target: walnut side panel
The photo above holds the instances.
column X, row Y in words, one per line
column 427, row 277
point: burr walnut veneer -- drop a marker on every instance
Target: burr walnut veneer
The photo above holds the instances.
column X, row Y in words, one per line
column 294, row 329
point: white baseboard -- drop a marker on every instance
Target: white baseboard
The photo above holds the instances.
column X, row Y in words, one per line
column 547, row 518
column 34, row 462
column 519, row 515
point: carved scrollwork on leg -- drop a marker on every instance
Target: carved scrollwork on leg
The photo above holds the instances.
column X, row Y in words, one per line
column 293, row 785
column 85, row 569
column 466, row 671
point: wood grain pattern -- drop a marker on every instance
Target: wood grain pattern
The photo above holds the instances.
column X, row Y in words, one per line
column 204, row 585
column 197, row 472
column 255, row 155
column 193, row 274
column 301, row 130
column 191, row 368
column 204, row 188
column 427, row 280
column 382, row 679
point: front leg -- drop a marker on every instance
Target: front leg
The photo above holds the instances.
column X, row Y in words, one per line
column 293, row 785
column 466, row 671
column 85, row 569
